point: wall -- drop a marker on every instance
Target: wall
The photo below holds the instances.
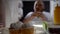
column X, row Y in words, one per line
column 2, row 14
column 11, row 11
column 52, row 6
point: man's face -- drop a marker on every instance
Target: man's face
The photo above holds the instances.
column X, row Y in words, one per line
column 39, row 6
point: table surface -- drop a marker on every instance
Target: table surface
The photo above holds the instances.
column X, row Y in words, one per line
column 52, row 25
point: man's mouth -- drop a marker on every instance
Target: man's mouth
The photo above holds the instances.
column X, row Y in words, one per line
column 39, row 9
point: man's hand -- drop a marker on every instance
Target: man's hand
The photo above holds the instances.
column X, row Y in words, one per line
column 40, row 14
column 36, row 14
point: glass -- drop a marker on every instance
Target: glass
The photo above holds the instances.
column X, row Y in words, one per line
column 57, row 15
column 27, row 30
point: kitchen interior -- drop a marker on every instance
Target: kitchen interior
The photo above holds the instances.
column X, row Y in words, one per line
column 10, row 12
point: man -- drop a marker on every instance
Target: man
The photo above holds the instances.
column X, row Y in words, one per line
column 38, row 14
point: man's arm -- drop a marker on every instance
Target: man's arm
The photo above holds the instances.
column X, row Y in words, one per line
column 28, row 19
column 30, row 16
